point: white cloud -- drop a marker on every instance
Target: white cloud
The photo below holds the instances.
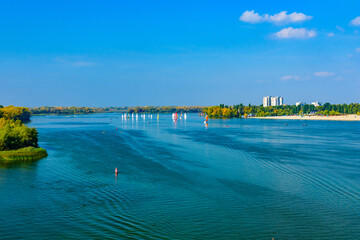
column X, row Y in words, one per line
column 324, row 74
column 356, row 21
column 330, row 34
column 290, row 77
column 283, row 17
column 295, row 33
column 279, row 18
column 252, row 17
column 357, row 50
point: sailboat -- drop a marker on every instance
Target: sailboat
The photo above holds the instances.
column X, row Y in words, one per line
column 185, row 116
column 206, row 118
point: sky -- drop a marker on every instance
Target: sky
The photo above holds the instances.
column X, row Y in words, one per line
column 141, row 53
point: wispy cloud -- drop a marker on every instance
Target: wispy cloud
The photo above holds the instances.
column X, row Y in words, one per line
column 339, row 78
column 279, row 18
column 355, row 21
column 290, row 78
column 74, row 61
column 324, row 74
column 340, row 28
column 81, row 63
column 301, row 33
column 330, row 34
column 357, row 50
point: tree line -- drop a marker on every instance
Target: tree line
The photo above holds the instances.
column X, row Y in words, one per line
column 166, row 109
column 137, row 109
column 76, row 110
column 240, row 110
column 15, row 113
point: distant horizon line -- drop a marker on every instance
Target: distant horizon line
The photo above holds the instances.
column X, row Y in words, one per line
column 134, row 106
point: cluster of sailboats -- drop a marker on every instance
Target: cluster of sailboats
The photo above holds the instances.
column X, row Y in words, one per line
column 137, row 116
column 174, row 116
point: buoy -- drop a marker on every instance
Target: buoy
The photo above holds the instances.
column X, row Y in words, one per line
column 116, row 171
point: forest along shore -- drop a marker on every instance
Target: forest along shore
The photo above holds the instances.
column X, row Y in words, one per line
column 349, row 117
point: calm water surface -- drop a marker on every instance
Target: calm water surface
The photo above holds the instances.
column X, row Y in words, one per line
column 235, row 179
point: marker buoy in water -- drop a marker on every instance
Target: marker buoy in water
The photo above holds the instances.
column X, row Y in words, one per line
column 116, row 171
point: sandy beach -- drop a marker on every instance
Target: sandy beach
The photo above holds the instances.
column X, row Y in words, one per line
column 349, row 117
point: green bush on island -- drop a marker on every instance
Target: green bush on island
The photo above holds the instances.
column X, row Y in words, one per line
column 23, row 154
column 17, row 141
column 15, row 135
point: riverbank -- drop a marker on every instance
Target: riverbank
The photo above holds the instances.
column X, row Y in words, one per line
column 23, row 154
column 349, row 117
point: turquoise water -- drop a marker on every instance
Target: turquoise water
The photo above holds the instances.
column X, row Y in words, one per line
column 235, row 179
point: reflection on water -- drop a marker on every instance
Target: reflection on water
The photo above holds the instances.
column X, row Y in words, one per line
column 230, row 179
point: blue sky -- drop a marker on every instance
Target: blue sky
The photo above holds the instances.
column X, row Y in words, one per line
column 127, row 53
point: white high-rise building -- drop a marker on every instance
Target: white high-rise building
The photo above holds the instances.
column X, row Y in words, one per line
column 273, row 101
column 316, row 104
column 281, row 101
column 300, row 104
column 266, row 101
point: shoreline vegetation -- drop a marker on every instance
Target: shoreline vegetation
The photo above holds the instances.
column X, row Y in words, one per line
column 18, row 142
column 75, row 110
column 347, row 117
column 331, row 112
column 137, row 109
column 325, row 112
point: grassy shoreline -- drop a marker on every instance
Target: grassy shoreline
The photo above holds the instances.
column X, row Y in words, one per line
column 23, row 154
column 348, row 117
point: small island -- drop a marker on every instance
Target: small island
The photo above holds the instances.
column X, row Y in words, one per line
column 18, row 142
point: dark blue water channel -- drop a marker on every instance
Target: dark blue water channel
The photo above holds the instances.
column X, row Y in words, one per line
column 235, row 179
